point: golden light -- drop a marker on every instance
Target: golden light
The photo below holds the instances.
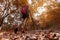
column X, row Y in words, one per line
column 29, row 1
column 39, row 12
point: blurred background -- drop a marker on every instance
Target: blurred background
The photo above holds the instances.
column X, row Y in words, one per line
column 44, row 14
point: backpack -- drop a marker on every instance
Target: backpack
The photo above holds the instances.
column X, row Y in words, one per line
column 24, row 10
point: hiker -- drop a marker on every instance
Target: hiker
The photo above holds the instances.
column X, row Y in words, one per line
column 25, row 15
